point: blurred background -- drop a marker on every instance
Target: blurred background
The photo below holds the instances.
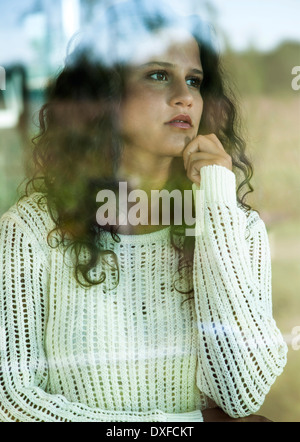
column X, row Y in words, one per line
column 260, row 43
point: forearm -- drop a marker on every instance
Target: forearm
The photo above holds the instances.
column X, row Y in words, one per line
column 241, row 351
column 34, row 405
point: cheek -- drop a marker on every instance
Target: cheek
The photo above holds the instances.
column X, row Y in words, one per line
column 139, row 110
column 198, row 113
column 129, row 115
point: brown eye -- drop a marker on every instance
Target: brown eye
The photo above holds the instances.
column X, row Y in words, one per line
column 159, row 76
column 194, row 82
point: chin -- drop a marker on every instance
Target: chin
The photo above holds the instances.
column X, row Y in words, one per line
column 177, row 145
column 176, row 151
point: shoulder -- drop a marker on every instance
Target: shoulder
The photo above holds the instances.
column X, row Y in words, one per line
column 30, row 216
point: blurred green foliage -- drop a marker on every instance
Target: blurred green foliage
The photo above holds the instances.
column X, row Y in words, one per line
column 261, row 73
column 271, row 114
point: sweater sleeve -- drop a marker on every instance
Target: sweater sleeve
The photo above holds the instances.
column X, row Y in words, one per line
column 24, row 272
column 241, row 350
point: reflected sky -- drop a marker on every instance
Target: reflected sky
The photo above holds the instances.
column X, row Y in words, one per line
column 264, row 23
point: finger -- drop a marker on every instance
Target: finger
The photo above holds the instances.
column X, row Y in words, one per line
column 194, row 173
column 215, row 139
column 224, row 157
column 199, row 144
column 199, row 160
column 199, row 156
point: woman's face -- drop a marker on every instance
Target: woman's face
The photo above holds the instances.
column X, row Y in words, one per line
column 162, row 106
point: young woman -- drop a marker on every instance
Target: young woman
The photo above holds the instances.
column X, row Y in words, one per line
column 115, row 321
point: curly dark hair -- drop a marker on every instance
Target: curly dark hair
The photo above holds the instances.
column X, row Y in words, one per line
column 77, row 151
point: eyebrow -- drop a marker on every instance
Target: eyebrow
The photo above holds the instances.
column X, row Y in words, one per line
column 167, row 65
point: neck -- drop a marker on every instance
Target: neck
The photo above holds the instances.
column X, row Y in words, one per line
column 146, row 172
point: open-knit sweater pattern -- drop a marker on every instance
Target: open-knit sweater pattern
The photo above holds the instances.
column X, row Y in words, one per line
column 142, row 349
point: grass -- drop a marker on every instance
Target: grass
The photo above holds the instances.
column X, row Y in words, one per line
column 274, row 132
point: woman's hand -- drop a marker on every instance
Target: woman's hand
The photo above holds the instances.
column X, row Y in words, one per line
column 204, row 150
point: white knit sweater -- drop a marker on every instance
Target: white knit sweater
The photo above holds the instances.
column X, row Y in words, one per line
column 137, row 352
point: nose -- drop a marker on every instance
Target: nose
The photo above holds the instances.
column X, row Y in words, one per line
column 181, row 95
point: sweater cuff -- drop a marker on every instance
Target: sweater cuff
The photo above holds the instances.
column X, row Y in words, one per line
column 192, row 416
column 218, row 184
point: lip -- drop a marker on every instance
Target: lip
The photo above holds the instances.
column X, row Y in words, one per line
column 181, row 121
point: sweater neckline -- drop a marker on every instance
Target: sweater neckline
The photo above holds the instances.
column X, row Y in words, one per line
column 143, row 238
